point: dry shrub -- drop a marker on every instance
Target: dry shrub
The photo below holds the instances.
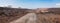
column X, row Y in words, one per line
column 9, row 14
column 47, row 18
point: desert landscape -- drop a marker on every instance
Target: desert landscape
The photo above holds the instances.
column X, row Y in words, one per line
column 10, row 14
column 48, row 15
column 29, row 11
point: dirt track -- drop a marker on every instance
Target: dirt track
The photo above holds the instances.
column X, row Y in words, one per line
column 41, row 18
column 10, row 15
column 28, row 18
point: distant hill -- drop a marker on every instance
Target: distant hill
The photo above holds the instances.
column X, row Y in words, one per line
column 48, row 10
column 55, row 10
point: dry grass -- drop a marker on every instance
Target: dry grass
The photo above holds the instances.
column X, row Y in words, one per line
column 9, row 14
column 48, row 18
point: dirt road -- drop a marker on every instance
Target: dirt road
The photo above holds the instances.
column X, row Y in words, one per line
column 28, row 18
column 41, row 18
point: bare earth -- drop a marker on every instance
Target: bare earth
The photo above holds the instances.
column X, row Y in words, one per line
column 40, row 18
column 28, row 18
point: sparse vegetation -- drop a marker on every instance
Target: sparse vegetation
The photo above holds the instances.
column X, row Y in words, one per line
column 9, row 14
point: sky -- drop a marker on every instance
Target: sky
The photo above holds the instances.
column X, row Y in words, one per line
column 31, row 4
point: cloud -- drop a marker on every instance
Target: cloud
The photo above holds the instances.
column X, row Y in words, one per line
column 57, row 5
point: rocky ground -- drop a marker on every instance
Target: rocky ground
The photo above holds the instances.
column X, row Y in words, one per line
column 40, row 18
column 8, row 15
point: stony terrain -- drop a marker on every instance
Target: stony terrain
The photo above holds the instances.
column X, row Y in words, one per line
column 48, row 18
column 10, row 14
